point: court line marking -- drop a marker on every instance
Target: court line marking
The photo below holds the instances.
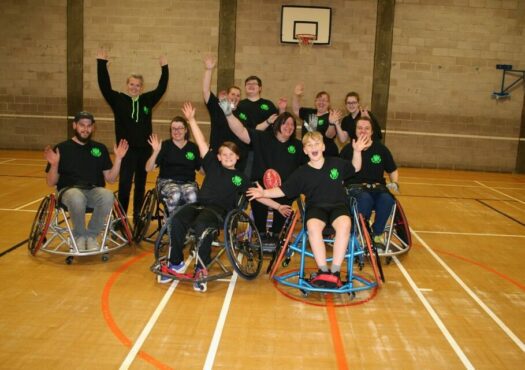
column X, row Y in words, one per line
column 337, row 340
column 499, row 192
column 219, row 327
column 8, row 160
column 473, row 295
column 151, row 322
column 28, row 204
column 450, row 339
column 467, row 234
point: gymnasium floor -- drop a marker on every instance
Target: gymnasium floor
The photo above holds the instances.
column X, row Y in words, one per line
column 457, row 300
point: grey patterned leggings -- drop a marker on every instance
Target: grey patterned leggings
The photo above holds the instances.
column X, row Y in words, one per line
column 177, row 193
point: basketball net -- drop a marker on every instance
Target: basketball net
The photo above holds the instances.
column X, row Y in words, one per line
column 305, row 41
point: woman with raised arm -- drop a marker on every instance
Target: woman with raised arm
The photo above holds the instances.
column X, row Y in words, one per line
column 320, row 118
column 178, row 159
column 346, row 129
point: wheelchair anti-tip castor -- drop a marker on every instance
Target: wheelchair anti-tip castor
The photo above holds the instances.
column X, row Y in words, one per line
column 388, row 260
column 104, row 257
column 304, row 293
column 69, row 260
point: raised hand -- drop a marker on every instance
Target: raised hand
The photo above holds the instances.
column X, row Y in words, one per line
column 189, row 111
column 102, row 54
column 282, row 103
column 362, row 143
column 335, row 116
column 299, row 89
column 51, row 156
column 155, row 143
column 209, row 62
column 272, row 119
column 163, row 60
column 364, row 112
column 121, row 149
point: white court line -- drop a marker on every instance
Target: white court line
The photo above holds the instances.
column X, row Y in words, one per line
column 8, row 160
column 459, row 352
column 17, row 210
column 28, row 204
column 468, row 234
column 499, row 192
column 473, row 295
column 214, row 345
column 151, row 323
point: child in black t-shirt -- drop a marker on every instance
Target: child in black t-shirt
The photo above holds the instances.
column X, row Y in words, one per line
column 321, row 181
column 219, row 194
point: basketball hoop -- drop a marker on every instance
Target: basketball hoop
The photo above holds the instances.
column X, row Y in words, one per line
column 305, row 41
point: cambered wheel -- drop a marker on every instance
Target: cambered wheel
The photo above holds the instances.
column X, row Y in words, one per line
column 372, row 255
column 282, row 246
column 120, row 215
column 146, row 212
column 162, row 244
column 401, row 227
column 37, row 235
column 243, row 244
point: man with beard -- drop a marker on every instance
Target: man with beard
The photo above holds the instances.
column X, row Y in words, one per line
column 79, row 168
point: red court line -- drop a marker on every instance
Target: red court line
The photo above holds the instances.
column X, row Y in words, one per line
column 106, row 312
column 336, row 334
column 484, row 267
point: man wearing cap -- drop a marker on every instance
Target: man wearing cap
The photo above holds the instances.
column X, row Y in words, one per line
column 79, row 168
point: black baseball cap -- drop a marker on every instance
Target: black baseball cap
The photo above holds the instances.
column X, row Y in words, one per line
column 84, row 114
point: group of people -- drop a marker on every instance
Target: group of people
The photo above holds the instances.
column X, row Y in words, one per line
column 247, row 137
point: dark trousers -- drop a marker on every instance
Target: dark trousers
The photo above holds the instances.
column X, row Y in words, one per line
column 200, row 220
column 260, row 215
column 133, row 167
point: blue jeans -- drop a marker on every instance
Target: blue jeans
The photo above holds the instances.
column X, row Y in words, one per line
column 77, row 200
column 380, row 201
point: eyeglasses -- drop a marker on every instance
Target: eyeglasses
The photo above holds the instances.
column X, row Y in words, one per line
column 178, row 128
column 352, row 102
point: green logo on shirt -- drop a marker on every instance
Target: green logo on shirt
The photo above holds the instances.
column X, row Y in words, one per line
column 190, row 156
column 291, row 149
column 243, row 116
column 95, row 152
column 146, row 110
column 265, row 106
column 334, row 173
column 237, row 180
column 376, row 159
column 320, row 122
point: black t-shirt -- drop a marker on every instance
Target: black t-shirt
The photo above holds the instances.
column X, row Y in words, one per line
column 176, row 163
column 348, row 124
column 82, row 165
column 220, row 130
column 271, row 153
column 251, row 113
column 322, row 125
column 221, row 186
column 376, row 159
column 321, row 187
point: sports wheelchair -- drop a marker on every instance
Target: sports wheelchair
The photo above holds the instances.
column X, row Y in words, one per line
column 153, row 209
column 359, row 248
column 240, row 240
column 51, row 231
column 397, row 237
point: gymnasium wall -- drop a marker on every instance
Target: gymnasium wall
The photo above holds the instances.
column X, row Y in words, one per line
column 440, row 111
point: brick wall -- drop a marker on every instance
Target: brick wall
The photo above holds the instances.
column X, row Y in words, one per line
column 443, row 68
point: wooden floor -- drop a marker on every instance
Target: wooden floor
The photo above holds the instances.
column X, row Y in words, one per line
column 457, row 300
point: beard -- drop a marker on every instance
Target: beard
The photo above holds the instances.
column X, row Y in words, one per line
column 83, row 139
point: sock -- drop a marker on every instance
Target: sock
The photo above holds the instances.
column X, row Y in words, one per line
column 335, row 268
column 323, row 268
